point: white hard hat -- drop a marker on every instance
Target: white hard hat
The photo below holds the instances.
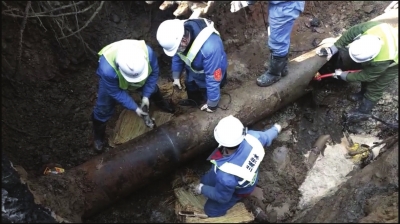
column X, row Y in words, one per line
column 169, row 35
column 229, row 131
column 132, row 63
column 365, row 48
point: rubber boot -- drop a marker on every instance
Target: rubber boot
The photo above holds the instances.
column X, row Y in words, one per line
column 358, row 96
column 195, row 99
column 285, row 70
column 273, row 74
column 257, row 207
column 162, row 103
column 99, row 133
column 362, row 113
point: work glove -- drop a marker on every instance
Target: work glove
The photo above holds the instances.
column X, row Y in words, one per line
column 340, row 74
column 278, row 127
column 196, row 188
column 140, row 112
column 237, row 5
column 177, row 83
column 145, row 102
column 208, row 109
column 327, row 51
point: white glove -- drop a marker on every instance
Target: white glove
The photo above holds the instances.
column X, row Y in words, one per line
column 177, row 83
column 196, row 188
column 278, row 127
column 340, row 74
column 237, row 5
column 140, row 112
column 206, row 108
column 327, row 51
column 145, row 102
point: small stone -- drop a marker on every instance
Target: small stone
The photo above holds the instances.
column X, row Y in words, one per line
column 307, row 24
column 368, row 9
column 115, row 18
column 357, row 5
column 319, row 30
column 316, row 42
column 315, row 22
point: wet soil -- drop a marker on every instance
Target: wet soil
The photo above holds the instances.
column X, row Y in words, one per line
column 46, row 106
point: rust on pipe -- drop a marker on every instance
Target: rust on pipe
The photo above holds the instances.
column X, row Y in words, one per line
column 115, row 174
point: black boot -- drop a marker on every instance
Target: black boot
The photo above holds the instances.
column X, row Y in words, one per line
column 162, row 103
column 257, row 207
column 358, row 96
column 362, row 113
column 275, row 68
column 285, row 70
column 99, row 133
column 195, row 99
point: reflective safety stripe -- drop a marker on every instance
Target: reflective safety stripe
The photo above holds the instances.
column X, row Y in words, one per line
column 110, row 53
column 197, row 44
column 389, row 50
column 248, row 171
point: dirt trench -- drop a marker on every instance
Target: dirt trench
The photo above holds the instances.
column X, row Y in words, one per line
column 46, row 106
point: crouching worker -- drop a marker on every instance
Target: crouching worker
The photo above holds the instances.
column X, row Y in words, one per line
column 234, row 173
column 373, row 48
column 195, row 46
column 125, row 65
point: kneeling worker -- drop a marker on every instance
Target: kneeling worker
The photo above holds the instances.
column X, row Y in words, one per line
column 234, row 173
column 125, row 65
column 373, row 48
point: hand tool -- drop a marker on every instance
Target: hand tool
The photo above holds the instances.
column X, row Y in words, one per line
column 318, row 76
column 193, row 214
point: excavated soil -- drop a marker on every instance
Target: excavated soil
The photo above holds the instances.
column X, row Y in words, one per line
column 46, row 106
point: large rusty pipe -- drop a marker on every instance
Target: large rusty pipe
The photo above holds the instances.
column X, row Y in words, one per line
column 117, row 173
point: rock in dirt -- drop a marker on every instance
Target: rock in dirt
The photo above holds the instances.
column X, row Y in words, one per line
column 315, row 22
column 115, row 18
column 318, row 30
column 357, row 5
column 368, row 9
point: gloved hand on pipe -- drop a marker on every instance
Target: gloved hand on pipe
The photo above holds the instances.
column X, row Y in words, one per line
column 327, row 51
column 196, row 188
column 237, row 5
column 208, row 109
column 145, row 102
column 177, row 83
column 140, row 112
column 340, row 74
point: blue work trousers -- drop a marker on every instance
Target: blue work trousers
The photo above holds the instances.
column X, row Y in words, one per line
column 281, row 18
column 105, row 104
column 213, row 208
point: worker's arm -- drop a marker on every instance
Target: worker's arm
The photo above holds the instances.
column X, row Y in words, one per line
column 223, row 190
column 349, row 35
column 177, row 66
column 369, row 73
column 212, row 64
column 151, row 81
column 110, row 78
column 266, row 137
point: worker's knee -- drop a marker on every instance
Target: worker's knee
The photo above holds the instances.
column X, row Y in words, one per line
column 280, row 29
column 373, row 95
column 215, row 209
column 103, row 112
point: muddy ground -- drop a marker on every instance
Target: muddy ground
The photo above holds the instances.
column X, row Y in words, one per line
column 46, row 106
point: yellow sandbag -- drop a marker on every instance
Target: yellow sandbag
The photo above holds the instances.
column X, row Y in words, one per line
column 187, row 201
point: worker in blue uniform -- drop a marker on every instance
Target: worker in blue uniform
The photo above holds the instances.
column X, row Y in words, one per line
column 281, row 18
column 125, row 65
column 195, row 46
column 235, row 164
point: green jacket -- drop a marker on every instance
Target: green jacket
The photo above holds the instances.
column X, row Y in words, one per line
column 371, row 69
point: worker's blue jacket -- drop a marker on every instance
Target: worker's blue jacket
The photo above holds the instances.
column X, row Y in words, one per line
column 111, row 83
column 227, row 185
column 211, row 59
